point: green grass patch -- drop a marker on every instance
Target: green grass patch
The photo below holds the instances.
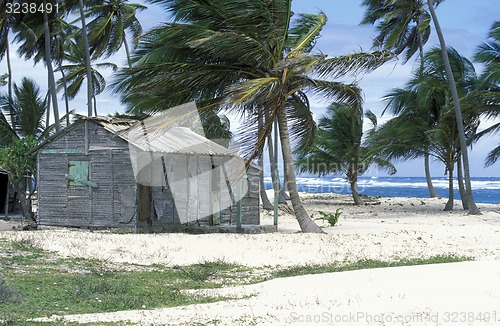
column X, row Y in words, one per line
column 365, row 264
column 37, row 283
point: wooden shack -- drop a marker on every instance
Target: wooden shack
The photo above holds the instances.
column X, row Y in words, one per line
column 93, row 174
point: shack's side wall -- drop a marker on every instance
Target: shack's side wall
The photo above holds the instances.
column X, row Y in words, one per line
column 185, row 196
column 196, row 186
column 111, row 204
column 250, row 205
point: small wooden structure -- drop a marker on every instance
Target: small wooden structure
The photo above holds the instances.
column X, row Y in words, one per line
column 97, row 174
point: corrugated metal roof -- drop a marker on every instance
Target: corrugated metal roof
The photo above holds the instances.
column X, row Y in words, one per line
column 153, row 134
column 174, row 140
column 147, row 135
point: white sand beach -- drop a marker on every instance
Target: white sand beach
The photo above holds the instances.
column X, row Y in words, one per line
column 395, row 228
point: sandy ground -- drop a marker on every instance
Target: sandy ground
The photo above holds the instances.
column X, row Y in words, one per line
column 460, row 293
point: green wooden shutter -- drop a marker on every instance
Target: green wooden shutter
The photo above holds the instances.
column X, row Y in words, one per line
column 80, row 171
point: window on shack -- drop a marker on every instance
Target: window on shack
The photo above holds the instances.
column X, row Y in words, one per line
column 78, row 170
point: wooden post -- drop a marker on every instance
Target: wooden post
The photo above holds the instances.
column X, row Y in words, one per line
column 276, row 197
column 7, row 198
column 238, row 207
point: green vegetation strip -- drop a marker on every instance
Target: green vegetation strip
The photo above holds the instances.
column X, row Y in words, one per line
column 37, row 283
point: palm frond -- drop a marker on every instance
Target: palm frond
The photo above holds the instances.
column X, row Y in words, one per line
column 349, row 94
column 492, row 157
column 351, row 64
column 301, row 122
column 304, row 32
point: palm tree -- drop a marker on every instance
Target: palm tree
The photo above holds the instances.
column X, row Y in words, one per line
column 424, row 121
column 217, row 128
column 403, row 26
column 237, row 58
column 473, row 209
column 5, row 28
column 21, row 134
column 61, row 32
column 339, row 149
column 489, row 95
column 29, row 109
column 108, row 29
column 75, row 72
column 34, row 33
column 78, row 7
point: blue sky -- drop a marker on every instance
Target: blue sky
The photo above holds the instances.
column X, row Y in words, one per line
column 465, row 25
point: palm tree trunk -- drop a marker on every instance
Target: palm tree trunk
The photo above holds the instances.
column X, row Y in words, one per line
column 266, row 203
column 281, row 198
column 355, row 192
column 127, row 50
column 274, row 172
column 47, row 113
column 449, row 204
column 461, row 188
column 271, row 162
column 27, row 212
column 90, row 91
column 458, row 112
column 305, row 222
column 9, row 80
column 283, row 195
column 66, row 101
column 432, row 191
column 50, row 70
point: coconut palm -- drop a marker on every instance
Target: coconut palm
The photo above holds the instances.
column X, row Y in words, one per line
column 403, row 26
column 424, row 119
column 217, row 127
column 401, row 23
column 77, row 7
column 239, row 56
column 473, row 209
column 21, row 133
column 6, row 24
column 489, row 95
column 29, row 109
column 112, row 19
column 75, row 72
column 33, row 31
column 338, row 147
column 61, row 31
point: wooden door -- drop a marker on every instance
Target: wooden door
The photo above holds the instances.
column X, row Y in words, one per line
column 145, row 199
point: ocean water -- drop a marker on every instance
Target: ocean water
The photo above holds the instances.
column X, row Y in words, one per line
column 485, row 190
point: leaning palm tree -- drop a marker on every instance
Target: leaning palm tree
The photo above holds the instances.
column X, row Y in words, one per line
column 239, row 57
column 398, row 17
column 473, row 209
column 489, row 93
column 426, row 98
column 111, row 20
column 403, row 27
column 338, row 147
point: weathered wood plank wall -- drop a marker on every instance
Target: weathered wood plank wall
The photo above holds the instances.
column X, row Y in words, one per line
column 187, row 191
